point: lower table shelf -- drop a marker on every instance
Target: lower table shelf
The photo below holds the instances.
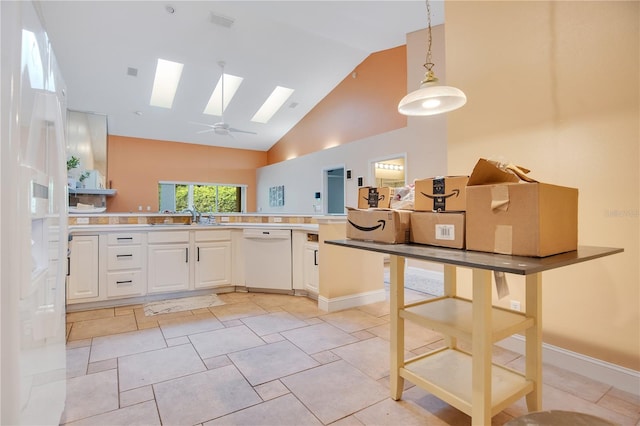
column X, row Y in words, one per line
column 447, row 374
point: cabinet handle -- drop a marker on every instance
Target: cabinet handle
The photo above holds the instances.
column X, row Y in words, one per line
column 124, row 238
column 186, row 259
column 124, row 255
column 315, row 257
column 68, row 265
column 198, row 255
column 124, row 282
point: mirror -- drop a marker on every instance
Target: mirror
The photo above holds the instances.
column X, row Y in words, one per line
column 389, row 171
column 87, row 140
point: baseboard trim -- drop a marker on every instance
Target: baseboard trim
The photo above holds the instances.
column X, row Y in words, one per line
column 614, row 375
column 351, row 301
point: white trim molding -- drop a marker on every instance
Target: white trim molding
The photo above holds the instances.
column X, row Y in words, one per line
column 351, row 301
column 619, row 377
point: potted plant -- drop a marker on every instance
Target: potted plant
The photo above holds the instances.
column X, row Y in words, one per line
column 72, row 163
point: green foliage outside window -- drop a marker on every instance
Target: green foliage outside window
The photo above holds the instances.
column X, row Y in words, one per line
column 228, row 199
column 206, row 198
column 182, row 197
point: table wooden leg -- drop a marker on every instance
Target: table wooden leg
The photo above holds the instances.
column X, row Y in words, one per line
column 533, row 345
column 450, row 289
column 481, row 346
column 396, row 302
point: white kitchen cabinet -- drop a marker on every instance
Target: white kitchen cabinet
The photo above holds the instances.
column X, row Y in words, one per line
column 82, row 282
column 126, row 265
column 168, row 261
column 311, row 271
column 212, row 259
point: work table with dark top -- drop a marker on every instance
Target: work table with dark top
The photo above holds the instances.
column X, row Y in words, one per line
column 521, row 265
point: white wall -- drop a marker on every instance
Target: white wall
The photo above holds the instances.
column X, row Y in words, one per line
column 303, row 176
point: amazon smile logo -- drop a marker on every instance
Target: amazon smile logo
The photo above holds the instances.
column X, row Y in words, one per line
column 455, row 193
column 381, row 225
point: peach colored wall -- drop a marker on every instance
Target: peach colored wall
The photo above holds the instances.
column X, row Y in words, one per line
column 357, row 108
column 554, row 86
column 135, row 167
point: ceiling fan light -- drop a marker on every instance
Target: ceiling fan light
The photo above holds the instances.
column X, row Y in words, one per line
column 430, row 99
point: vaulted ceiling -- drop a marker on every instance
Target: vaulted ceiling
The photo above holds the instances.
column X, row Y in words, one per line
column 309, row 46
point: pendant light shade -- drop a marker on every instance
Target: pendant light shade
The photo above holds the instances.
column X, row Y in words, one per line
column 431, row 98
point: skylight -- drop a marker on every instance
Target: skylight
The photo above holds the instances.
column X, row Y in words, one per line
column 231, row 84
column 273, row 103
column 165, row 83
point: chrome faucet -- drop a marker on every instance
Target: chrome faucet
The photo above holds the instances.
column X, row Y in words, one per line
column 194, row 214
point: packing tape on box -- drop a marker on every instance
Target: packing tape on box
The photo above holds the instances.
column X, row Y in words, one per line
column 502, row 287
column 502, row 240
column 500, row 198
column 503, row 237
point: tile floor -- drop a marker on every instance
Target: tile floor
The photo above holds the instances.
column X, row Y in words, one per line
column 268, row 359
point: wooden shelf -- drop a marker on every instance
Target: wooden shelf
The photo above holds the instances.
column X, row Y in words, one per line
column 447, row 374
column 453, row 316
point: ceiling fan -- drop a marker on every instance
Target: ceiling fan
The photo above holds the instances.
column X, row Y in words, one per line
column 222, row 128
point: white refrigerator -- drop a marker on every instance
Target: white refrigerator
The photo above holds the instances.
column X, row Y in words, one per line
column 33, row 221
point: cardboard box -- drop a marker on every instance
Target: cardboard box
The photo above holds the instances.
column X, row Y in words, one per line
column 380, row 225
column 523, row 218
column 375, row 197
column 446, row 229
column 441, row 194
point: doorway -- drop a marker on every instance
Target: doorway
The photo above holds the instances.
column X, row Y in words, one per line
column 334, row 190
column 389, row 171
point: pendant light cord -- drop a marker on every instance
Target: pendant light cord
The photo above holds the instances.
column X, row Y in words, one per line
column 428, row 65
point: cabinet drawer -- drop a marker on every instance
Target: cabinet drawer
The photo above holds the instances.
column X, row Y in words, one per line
column 128, row 257
column 168, row 237
column 123, row 238
column 128, row 283
column 211, row 235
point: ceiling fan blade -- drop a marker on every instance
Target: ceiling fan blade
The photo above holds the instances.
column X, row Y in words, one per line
column 201, row 124
column 206, row 131
column 231, row 129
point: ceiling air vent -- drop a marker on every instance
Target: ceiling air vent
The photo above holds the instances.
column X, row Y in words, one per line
column 220, row 20
column 133, row 72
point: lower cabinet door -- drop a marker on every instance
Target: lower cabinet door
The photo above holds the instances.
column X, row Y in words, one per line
column 168, row 267
column 82, row 282
column 125, row 283
column 213, row 264
column 311, row 269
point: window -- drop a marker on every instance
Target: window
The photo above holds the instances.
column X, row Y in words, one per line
column 204, row 197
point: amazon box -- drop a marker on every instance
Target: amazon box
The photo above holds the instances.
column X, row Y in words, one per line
column 520, row 218
column 444, row 229
column 375, row 197
column 439, row 194
column 380, row 225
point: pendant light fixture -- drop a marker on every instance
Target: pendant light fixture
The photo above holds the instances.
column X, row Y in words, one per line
column 431, row 98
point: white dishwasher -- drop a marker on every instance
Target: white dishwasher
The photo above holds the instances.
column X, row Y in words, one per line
column 267, row 255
